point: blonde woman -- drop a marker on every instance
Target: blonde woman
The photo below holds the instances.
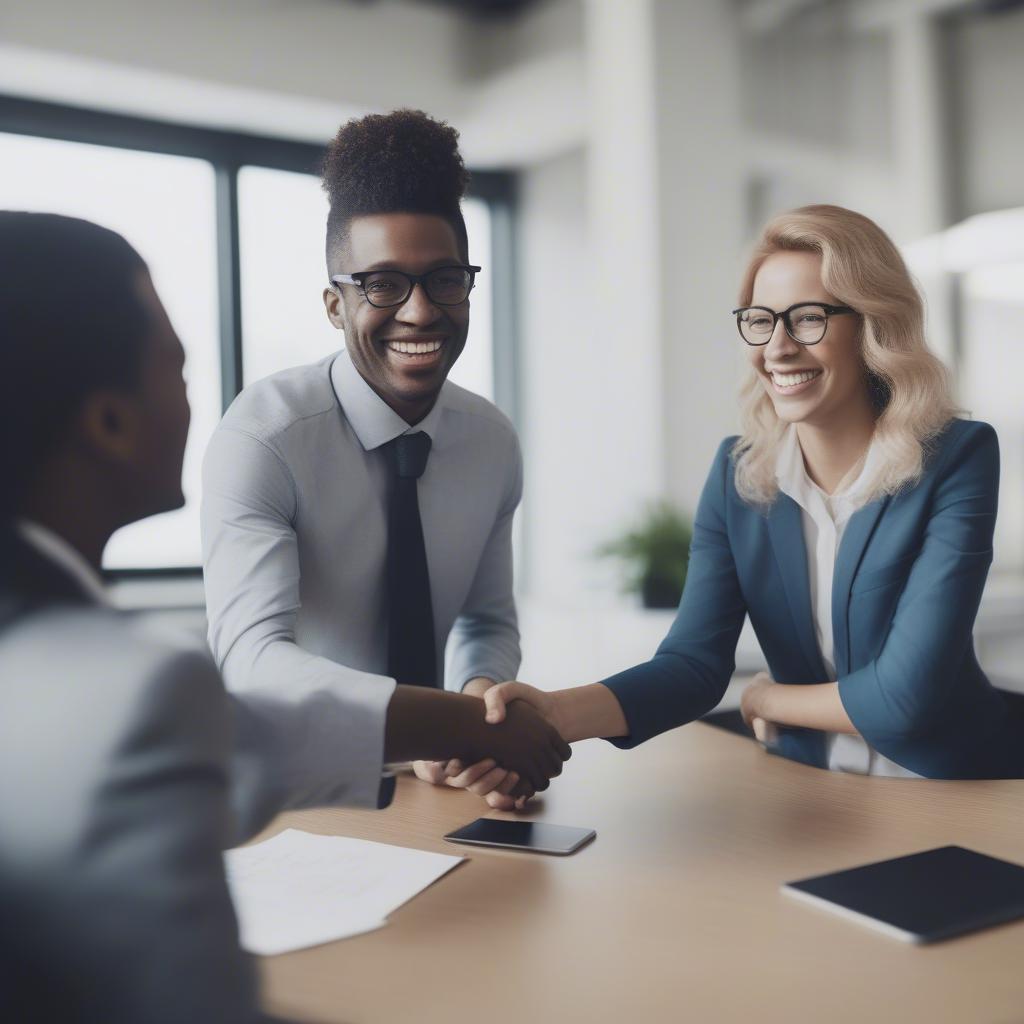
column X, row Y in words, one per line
column 852, row 521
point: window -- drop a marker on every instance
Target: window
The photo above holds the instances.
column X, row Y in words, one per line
column 164, row 205
column 981, row 262
column 992, row 367
column 232, row 229
column 281, row 218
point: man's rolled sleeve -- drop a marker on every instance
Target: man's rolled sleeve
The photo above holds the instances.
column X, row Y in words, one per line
column 323, row 722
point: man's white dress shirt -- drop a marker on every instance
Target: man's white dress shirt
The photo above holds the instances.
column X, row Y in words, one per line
column 294, row 525
column 825, row 517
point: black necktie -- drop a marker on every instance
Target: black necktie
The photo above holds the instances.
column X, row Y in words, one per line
column 411, row 654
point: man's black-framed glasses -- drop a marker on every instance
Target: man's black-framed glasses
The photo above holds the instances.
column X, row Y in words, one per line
column 805, row 322
column 445, row 286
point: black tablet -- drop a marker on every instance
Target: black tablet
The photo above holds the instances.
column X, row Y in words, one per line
column 924, row 897
column 535, row 836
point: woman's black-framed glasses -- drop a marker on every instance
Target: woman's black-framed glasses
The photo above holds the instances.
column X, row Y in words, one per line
column 445, row 286
column 805, row 322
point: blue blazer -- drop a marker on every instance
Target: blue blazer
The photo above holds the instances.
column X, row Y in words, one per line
column 908, row 580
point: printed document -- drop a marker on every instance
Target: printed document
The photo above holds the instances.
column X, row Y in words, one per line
column 298, row 889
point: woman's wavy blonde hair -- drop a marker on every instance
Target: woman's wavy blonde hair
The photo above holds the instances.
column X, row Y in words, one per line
column 909, row 385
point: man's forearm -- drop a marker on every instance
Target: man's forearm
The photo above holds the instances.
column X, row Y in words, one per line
column 817, row 706
column 427, row 724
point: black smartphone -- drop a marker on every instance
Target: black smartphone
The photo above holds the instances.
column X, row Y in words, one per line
column 535, row 836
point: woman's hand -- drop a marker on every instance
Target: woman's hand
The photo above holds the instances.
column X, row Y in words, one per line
column 497, row 698
column 577, row 713
column 806, row 706
column 752, row 705
column 434, row 772
column 485, row 778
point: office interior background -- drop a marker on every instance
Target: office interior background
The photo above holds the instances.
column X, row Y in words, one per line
column 626, row 153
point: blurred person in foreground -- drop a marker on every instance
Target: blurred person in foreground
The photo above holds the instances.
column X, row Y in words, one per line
column 357, row 512
column 125, row 768
column 852, row 521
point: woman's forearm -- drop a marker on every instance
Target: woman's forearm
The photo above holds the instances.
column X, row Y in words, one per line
column 813, row 707
column 585, row 712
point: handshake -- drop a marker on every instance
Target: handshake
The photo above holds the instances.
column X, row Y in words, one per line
column 511, row 748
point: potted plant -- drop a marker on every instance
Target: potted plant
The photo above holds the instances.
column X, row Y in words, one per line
column 656, row 552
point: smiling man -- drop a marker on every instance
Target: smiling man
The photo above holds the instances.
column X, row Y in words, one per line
column 357, row 513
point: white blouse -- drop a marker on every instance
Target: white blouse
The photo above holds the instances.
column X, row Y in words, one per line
column 825, row 517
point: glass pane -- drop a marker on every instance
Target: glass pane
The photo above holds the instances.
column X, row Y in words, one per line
column 165, row 206
column 993, row 367
column 282, row 219
column 475, row 368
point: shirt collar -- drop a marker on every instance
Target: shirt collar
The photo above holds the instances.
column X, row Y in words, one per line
column 57, row 550
column 791, row 474
column 373, row 420
column 790, row 471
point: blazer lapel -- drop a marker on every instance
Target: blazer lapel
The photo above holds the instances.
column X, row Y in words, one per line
column 787, row 534
column 858, row 532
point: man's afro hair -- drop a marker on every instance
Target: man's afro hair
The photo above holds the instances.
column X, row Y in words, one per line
column 402, row 162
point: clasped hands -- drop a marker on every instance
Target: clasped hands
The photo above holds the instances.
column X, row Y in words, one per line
column 497, row 780
column 496, row 777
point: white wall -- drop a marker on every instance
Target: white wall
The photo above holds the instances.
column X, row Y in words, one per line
column 989, row 55
column 629, row 255
column 298, row 67
column 302, row 48
column 700, row 201
column 569, row 411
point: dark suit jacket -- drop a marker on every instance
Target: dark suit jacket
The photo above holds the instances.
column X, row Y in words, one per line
column 908, row 580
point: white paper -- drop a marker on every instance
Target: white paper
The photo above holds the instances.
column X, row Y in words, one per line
column 299, row 889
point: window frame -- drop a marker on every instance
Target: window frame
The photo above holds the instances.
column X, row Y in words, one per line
column 228, row 152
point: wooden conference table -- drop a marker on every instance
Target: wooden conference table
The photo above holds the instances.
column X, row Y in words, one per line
column 674, row 912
